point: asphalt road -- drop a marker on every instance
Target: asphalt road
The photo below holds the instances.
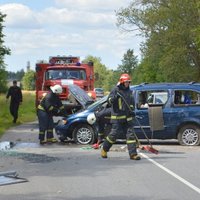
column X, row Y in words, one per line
column 74, row 172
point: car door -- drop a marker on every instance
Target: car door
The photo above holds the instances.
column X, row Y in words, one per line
column 184, row 109
column 150, row 109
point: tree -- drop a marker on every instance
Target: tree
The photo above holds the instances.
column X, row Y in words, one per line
column 28, row 80
column 129, row 62
column 3, row 51
column 100, row 70
column 171, row 28
column 16, row 75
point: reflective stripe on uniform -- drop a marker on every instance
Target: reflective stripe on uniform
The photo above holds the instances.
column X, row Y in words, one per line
column 109, row 140
column 129, row 118
column 118, row 117
column 107, row 117
column 49, row 130
column 51, row 108
column 130, row 141
column 61, row 107
column 41, row 132
column 40, row 107
column 120, row 103
column 101, row 134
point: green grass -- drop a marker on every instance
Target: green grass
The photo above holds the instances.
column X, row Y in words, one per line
column 27, row 111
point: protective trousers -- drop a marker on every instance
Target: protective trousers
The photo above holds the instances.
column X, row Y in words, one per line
column 46, row 125
column 102, row 128
column 127, row 128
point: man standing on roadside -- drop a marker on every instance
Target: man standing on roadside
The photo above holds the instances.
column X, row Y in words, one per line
column 16, row 99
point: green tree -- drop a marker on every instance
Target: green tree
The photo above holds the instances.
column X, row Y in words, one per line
column 129, row 62
column 100, row 70
column 171, row 29
column 28, row 80
column 16, row 75
column 112, row 78
column 3, row 51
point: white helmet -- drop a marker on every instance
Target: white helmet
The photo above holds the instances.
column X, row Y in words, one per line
column 91, row 119
column 57, row 89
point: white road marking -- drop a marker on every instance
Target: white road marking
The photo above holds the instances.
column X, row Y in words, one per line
column 172, row 174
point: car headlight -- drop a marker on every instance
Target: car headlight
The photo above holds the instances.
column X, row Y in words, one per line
column 91, row 119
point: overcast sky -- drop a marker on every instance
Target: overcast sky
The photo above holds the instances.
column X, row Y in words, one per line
column 37, row 29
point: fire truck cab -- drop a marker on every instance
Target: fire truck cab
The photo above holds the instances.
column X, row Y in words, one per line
column 65, row 71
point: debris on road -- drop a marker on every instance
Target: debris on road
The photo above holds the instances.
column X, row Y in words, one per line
column 10, row 177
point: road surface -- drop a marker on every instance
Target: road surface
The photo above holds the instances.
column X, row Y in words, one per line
column 75, row 172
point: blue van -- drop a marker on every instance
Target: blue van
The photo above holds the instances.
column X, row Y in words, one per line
column 163, row 111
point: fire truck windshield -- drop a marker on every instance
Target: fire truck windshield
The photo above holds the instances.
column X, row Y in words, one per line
column 65, row 74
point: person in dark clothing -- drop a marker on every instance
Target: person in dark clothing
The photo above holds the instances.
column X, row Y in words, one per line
column 15, row 93
column 121, row 118
column 49, row 106
column 103, row 117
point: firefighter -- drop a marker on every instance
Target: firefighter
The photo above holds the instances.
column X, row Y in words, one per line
column 16, row 99
column 49, row 106
column 102, row 117
column 121, row 117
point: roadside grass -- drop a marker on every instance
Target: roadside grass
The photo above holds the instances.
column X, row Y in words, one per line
column 27, row 111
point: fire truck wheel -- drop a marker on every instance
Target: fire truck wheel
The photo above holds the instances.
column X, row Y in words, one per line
column 84, row 134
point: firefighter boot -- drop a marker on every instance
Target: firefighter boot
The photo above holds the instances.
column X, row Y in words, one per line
column 135, row 157
column 43, row 142
column 103, row 153
column 52, row 140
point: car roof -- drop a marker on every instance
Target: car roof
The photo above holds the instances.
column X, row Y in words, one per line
column 162, row 86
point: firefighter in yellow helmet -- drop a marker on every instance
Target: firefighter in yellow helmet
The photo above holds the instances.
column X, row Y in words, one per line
column 121, row 117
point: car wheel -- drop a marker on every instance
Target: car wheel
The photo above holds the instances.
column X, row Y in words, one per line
column 84, row 134
column 189, row 135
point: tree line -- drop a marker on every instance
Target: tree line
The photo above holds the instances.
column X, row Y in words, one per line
column 170, row 51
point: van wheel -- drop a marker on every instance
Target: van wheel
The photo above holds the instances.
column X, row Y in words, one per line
column 84, row 134
column 189, row 135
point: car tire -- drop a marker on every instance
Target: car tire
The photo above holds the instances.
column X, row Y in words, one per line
column 189, row 135
column 84, row 134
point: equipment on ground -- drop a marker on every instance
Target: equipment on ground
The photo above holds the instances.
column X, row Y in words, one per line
column 10, row 177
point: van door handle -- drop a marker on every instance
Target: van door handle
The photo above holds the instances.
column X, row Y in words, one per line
column 138, row 117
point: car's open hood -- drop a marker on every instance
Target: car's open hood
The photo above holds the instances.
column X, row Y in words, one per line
column 80, row 95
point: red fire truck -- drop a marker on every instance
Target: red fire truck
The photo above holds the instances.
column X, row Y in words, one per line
column 64, row 70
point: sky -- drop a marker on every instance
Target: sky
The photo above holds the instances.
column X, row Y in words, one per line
column 37, row 29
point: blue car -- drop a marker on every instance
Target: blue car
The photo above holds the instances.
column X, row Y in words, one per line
column 163, row 111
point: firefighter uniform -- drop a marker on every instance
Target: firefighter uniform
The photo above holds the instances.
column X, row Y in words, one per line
column 49, row 106
column 121, row 118
column 102, row 117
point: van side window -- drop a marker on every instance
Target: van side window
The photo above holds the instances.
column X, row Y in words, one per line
column 153, row 97
column 186, row 97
